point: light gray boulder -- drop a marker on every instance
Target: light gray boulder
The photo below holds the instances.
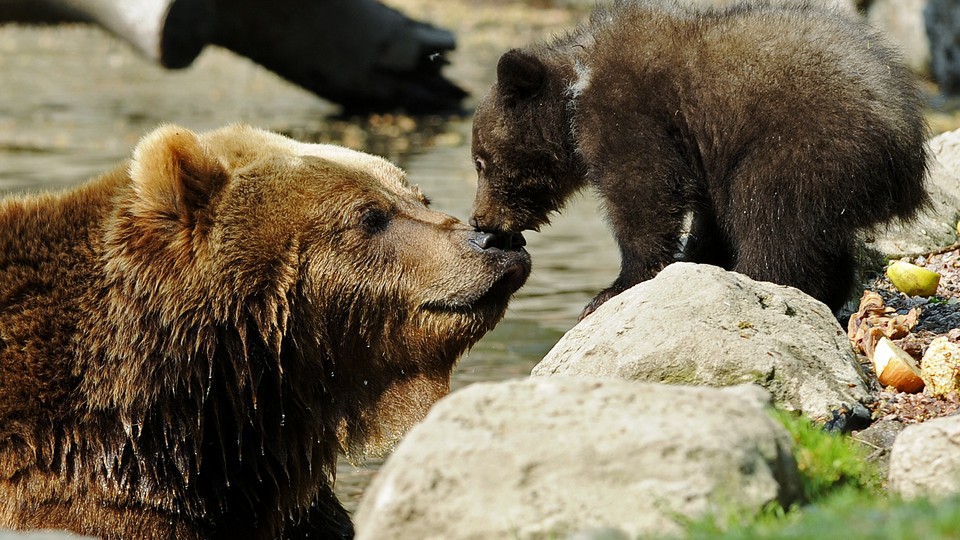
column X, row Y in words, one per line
column 936, row 226
column 697, row 324
column 551, row 457
column 925, row 459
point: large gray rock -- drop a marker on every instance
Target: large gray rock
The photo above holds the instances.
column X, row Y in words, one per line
column 935, row 227
column 925, row 459
column 548, row 457
column 701, row 325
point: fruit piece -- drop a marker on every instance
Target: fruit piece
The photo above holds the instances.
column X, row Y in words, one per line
column 895, row 367
column 941, row 367
column 912, row 279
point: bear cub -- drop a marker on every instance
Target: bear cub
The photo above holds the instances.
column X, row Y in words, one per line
column 781, row 128
column 189, row 341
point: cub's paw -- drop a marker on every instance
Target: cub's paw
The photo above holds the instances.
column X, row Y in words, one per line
column 598, row 300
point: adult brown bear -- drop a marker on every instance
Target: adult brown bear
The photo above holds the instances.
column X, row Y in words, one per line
column 782, row 127
column 187, row 342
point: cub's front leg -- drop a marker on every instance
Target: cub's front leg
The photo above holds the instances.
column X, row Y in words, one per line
column 645, row 214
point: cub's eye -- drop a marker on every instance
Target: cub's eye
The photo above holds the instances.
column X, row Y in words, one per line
column 374, row 220
column 480, row 164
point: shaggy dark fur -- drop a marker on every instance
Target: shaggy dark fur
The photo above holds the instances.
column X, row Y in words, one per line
column 783, row 128
column 187, row 343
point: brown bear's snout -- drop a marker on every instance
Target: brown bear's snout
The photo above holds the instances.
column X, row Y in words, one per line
column 506, row 241
column 510, row 262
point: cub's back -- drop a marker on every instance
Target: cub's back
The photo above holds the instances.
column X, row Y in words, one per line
column 796, row 84
column 782, row 49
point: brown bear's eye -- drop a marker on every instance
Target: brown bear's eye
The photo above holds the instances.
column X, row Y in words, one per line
column 374, row 220
column 480, row 164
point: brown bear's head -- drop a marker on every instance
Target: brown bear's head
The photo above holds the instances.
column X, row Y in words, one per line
column 249, row 249
column 523, row 149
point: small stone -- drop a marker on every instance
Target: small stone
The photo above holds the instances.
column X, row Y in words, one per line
column 941, row 367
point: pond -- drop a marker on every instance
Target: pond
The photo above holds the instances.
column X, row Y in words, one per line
column 73, row 102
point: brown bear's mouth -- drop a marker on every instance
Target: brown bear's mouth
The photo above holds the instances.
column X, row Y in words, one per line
column 514, row 275
column 514, row 267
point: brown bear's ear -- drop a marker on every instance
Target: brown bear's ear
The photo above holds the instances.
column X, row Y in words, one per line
column 174, row 175
column 519, row 75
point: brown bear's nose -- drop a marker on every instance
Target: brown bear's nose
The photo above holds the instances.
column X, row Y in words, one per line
column 498, row 240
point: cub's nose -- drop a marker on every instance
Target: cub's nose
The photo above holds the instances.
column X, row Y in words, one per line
column 483, row 217
column 498, row 240
column 475, row 222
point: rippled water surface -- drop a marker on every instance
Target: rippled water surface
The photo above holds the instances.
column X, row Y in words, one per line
column 73, row 102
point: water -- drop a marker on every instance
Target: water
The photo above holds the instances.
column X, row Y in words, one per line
column 73, row 102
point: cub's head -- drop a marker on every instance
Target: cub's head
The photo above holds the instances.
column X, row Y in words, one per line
column 523, row 148
column 322, row 258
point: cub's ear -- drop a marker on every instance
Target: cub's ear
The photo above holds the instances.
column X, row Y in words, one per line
column 174, row 175
column 520, row 75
